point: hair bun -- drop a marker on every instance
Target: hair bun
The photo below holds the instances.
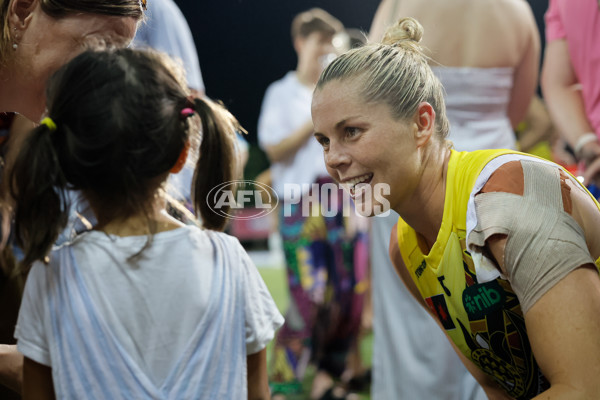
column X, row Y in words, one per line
column 405, row 30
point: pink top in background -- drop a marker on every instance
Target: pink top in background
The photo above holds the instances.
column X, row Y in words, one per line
column 578, row 22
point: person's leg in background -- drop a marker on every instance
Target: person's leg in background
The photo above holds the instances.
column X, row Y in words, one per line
column 326, row 259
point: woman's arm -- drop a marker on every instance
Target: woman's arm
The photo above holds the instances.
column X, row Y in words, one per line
column 564, row 102
column 11, row 367
column 491, row 388
column 19, row 133
column 258, row 383
column 291, row 144
column 562, row 327
column 563, row 324
column 525, row 78
column 37, row 381
column 566, row 106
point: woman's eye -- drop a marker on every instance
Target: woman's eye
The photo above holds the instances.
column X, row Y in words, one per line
column 350, row 131
column 323, row 141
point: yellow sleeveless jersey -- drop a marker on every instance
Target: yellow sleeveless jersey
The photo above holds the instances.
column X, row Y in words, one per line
column 484, row 320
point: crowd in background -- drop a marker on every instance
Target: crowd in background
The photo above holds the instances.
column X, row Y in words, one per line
column 341, row 275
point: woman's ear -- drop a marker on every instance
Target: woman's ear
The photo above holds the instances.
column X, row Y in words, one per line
column 425, row 123
column 20, row 13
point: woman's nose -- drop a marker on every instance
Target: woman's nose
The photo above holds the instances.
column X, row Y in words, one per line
column 336, row 157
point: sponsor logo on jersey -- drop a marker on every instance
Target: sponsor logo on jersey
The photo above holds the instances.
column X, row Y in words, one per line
column 481, row 299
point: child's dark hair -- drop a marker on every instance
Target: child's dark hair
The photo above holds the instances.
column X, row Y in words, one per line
column 119, row 129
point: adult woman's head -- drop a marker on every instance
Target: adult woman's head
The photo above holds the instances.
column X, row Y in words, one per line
column 38, row 36
column 376, row 108
column 120, row 121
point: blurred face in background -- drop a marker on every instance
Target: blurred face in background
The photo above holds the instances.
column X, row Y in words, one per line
column 314, row 52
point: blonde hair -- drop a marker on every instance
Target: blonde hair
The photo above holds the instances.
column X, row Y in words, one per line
column 395, row 72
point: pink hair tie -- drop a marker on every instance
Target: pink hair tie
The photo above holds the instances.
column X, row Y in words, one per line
column 187, row 112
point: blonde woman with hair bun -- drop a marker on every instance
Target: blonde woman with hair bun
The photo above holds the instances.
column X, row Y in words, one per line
column 399, row 324
column 499, row 246
column 467, row 41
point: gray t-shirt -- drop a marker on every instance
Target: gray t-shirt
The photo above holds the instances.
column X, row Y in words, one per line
column 152, row 305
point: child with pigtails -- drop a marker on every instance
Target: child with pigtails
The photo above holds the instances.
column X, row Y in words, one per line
column 140, row 306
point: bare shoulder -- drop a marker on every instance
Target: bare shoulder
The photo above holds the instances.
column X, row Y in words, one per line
column 559, row 327
column 514, row 14
column 520, row 11
column 513, row 6
column 507, row 26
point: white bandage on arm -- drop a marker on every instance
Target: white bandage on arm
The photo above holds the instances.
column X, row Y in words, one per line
column 544, row 242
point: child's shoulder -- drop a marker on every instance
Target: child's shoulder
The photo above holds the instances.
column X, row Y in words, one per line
column 225, row 239
column 207, row 237
column 187, row 241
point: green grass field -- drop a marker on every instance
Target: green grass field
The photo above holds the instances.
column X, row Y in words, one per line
column 275, row 279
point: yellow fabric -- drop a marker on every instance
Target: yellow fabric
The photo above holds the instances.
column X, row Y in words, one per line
column 484, row 320
column 449, row 250
column 463, row 170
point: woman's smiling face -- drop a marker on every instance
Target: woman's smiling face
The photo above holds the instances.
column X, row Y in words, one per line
column 364, row 144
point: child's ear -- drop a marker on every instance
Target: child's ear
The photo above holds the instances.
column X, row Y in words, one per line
column 180, row 163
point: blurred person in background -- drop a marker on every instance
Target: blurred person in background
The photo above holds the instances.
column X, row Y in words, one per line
column 570, row 78
column 166, row 29
column 326, row 256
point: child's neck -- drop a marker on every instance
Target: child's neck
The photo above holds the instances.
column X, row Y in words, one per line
column 140, row 225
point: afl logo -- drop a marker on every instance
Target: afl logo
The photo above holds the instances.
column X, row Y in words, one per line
column 255, row 198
